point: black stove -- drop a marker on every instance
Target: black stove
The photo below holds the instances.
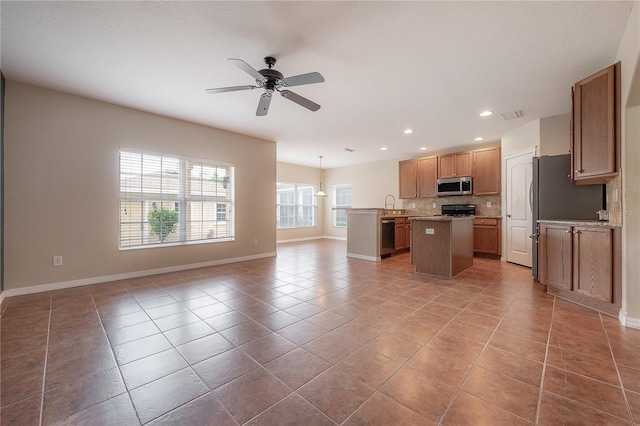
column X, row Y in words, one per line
column 458, row 210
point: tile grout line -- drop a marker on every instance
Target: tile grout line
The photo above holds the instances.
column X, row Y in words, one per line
column 104, row 330
column 46, row 356
column 544, row 364
column 475, row 363
column 615, row 364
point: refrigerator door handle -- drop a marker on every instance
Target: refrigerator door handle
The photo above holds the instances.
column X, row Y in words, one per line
column 531, row 196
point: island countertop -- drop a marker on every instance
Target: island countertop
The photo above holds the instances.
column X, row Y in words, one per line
column 441, row 218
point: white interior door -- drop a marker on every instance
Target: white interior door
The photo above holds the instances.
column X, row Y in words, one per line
column 519, row 174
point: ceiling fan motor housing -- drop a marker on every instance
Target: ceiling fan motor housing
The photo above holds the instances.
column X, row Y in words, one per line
column 274, row 78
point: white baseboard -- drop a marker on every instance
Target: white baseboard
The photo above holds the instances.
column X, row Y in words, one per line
column 295, row 240
column 628, row 322
column 363, row 257
column 136, row 274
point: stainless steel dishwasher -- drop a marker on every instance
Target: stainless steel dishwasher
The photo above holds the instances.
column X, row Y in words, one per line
column 387, row 237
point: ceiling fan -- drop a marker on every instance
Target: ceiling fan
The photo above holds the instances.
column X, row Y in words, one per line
column 271, row 80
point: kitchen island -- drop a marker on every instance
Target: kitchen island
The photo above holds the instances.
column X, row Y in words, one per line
column 441, row 245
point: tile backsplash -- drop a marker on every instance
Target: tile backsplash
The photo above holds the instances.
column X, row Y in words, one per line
column 424, row 206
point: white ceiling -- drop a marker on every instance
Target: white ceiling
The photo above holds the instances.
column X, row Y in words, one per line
column 430, row 66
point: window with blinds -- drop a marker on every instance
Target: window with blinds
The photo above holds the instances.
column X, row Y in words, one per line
column 341, row 202
column 169, row 200
column 295, row 205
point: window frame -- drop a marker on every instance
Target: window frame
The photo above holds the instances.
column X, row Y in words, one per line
column 178, row 202
column 342, row 207
column 297, row 206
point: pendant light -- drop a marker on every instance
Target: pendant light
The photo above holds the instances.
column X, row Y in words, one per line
column 320, row 192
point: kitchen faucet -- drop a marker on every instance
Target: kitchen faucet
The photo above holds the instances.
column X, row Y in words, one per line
column 386, row 204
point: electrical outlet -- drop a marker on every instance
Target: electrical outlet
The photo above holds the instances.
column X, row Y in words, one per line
column 255, row 241
column 57, row 260
column 434, row 205
column 488, row 203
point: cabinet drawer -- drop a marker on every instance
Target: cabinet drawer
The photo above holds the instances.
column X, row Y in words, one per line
column 485, row 221
column 401, row 220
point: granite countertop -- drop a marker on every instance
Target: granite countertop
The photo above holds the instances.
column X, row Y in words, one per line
column 440, row 218
column 582, row 223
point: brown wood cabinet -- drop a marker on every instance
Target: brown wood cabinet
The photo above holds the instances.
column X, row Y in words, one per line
column 419, row 177
column 595, row 127
column 487, row 236
column 486, row 171
column 452, row 165
column 403, row 233
column 408, row 178
column 555, row 256
column 427, row 176
column 582, row 264
column 592, row 260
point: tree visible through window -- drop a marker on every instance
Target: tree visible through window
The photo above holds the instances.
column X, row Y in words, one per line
column 295, row 205
column 173, row 200
column 341, row 202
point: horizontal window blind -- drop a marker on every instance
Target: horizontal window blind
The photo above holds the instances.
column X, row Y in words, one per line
column 172, row 200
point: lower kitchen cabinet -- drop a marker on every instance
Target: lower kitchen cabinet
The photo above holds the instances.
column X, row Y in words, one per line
column 487, row 236
column 403, row 233
column 555, row 256
column 582, row 264
column 593, row 262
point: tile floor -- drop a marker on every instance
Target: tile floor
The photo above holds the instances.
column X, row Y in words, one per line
column 311, row 337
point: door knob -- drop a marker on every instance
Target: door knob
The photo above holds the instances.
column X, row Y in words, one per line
column 508, row 215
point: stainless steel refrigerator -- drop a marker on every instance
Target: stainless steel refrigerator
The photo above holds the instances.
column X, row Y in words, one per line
column 555, row 197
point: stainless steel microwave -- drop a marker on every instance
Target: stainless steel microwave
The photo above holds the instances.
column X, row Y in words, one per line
column 455, row 186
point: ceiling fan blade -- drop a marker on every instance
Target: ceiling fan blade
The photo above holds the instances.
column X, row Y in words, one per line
column 263, row 105
column 248, row 69
column 299, row 80
column 300, row 100
column 229, row 89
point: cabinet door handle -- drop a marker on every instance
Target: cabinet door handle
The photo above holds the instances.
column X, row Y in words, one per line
column 579, row 171
column 568, row 232
column 576, row 232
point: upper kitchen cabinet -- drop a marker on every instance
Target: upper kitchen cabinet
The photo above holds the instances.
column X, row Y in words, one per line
column 408, row 178
column 453, row 165
column 596, row 127
column 427, row 176
column 486, row 171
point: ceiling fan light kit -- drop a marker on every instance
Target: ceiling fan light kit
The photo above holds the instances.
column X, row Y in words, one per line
column 271, row 81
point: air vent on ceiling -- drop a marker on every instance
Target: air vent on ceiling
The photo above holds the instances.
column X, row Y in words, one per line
column 349, row 150
column 511, row 115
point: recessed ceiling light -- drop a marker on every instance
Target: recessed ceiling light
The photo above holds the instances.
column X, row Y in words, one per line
column 408, row 131
column 478, row 139
column 384, row 148
column 423, row 148
column 486, row 113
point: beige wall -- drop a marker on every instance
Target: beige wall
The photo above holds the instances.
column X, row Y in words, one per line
column 292, row 173
column 555, row 135
column 61, row 186
column 370, row 183
column 629, row 55
column 520, row 138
